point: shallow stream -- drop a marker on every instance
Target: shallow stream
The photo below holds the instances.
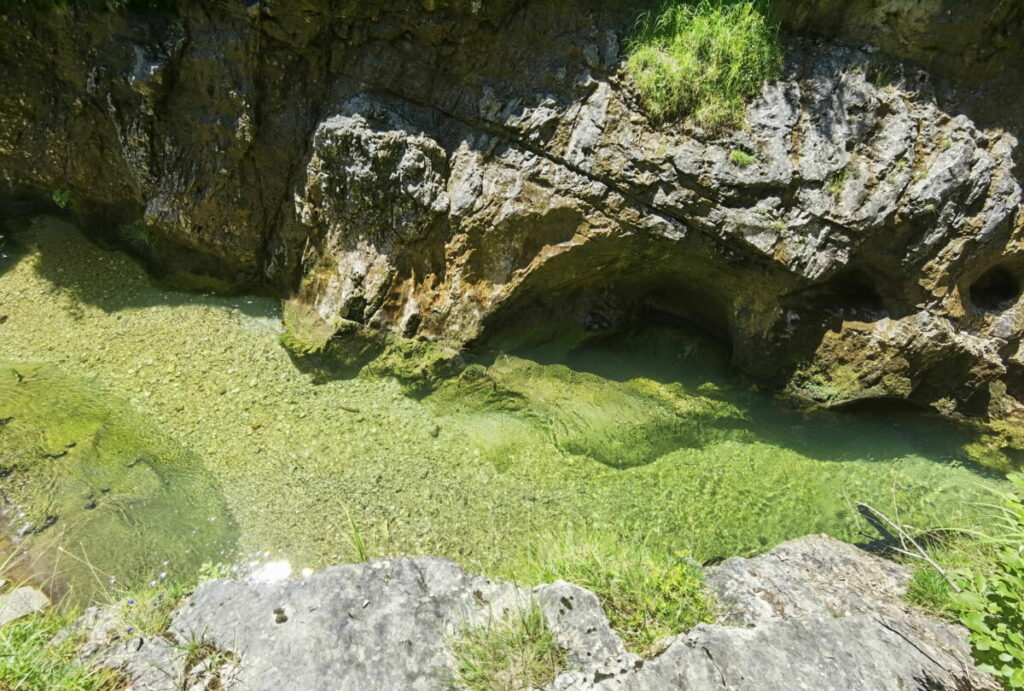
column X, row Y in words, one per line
column 144, row 432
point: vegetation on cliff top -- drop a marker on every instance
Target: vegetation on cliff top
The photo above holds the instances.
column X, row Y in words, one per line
column 704, row 59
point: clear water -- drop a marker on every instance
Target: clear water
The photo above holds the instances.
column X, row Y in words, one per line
column 643, row 436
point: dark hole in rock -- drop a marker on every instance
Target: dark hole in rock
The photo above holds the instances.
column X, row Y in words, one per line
column 995, row 290
column 852, row 295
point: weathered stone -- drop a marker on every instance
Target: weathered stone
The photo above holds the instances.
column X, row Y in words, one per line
column 814, row 613
column 22, row 602
column 445, row 171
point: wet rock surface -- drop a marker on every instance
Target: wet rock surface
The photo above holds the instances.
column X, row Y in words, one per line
column 812, row 613
column 447, row 171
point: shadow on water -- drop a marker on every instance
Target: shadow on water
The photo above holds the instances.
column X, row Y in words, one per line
column 72, row 274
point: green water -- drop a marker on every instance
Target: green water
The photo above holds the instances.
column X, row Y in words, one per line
column 87, row 474
column 644, row 436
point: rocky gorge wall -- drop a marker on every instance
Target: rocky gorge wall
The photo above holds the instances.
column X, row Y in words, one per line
column 446, row 172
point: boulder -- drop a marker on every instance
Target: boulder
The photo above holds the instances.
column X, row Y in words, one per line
column 22, row 602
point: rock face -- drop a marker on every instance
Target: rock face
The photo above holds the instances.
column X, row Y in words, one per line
column 812, row 613
column 446, row 171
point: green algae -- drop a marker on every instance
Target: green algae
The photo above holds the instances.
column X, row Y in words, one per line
column 97, row 495
column 343, row 348
column 643, row 436
column 618, row 424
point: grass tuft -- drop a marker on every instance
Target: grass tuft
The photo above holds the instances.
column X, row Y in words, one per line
column 147, row 611
column 837, row 181
column 520, row 653
column 30, row 660
column 647, row 596
column 742, row 158
column 704, row 59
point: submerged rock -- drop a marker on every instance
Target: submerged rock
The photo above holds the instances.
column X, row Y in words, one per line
column 811, row 613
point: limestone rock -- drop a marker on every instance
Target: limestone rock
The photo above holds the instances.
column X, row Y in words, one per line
column 442, row 171
column 812, row 613
column 21, row 602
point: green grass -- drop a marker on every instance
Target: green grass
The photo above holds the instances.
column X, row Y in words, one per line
column 703, row 59
column 147, row 611
column 647, row 595
column 931, row 591
column 742, row 158
column 837, row 181
column 29, row 660
column 988, row 568
column 518, row 653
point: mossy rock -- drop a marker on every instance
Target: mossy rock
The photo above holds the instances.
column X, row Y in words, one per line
column 344, row 349
column 619, row 424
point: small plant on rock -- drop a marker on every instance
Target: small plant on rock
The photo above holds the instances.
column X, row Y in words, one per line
column 742, row 158
column 881, row 77
column 837, row 181
column 519, row 652
column 65, row 199
column 147, row 611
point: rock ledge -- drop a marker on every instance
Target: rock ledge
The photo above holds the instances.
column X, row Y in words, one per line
column 813, row 613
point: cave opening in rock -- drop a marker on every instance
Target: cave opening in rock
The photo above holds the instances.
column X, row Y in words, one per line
column 854, row 295
column 849, row 295
column 995, row 290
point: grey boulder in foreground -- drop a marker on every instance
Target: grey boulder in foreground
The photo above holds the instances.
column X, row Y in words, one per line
column 813, row 613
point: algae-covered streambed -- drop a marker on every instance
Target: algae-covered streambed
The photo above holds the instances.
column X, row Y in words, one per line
column 147, row 431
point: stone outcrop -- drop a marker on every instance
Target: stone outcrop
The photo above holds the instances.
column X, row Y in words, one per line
column 449, row 171
column 21, row 602
column 812, row 613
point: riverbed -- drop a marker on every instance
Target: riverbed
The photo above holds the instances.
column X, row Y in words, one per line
column 150, row 431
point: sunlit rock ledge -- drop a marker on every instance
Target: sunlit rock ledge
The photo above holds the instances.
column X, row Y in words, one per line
column 811, row 613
